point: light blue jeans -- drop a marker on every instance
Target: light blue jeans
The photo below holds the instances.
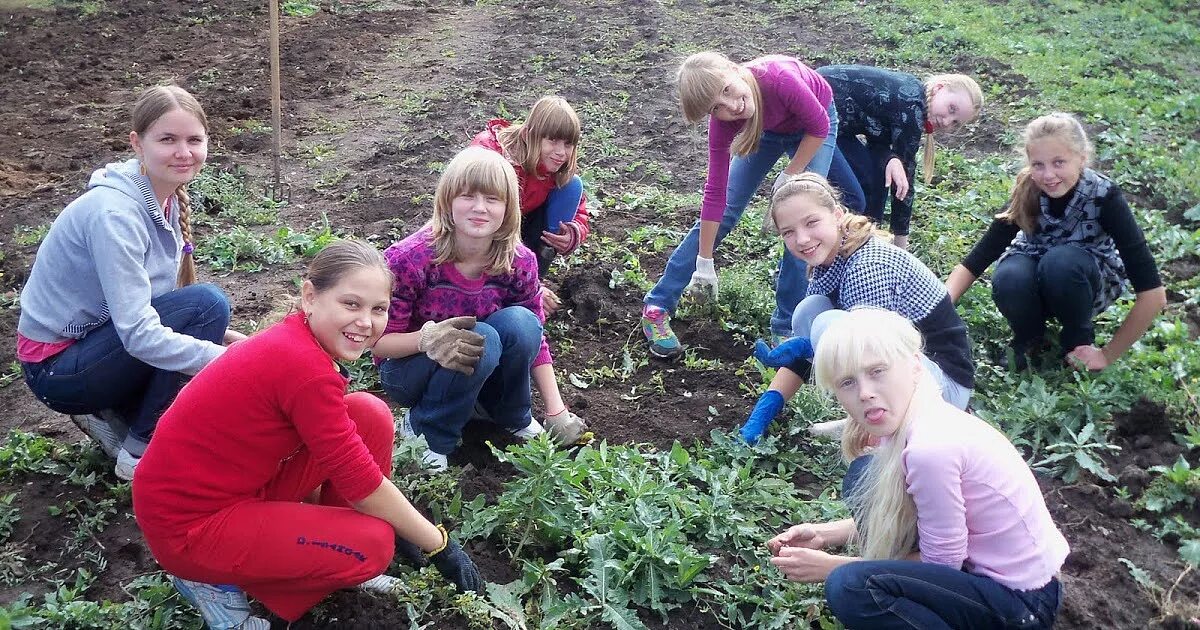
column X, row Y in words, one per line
column 815, row 313
column 746, row 174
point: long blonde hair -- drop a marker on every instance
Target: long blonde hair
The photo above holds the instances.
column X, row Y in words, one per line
column 473, row 170
column 553, row 118
column 855, row 229
column 1023, row 204
column 151, row 105
column 885, row 515
column 956, row 83
column 701, row 78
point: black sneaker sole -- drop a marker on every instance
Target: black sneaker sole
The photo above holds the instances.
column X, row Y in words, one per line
column 668, row 356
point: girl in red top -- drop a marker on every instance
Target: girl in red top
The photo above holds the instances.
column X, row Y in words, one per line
column 554, row 216
column 266, row 478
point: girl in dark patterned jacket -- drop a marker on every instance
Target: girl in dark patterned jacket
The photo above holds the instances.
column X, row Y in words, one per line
column 892, row 111
column 851, row 267
column 1068, row 246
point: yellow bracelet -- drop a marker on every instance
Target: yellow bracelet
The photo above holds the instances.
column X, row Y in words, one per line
column 442, row 547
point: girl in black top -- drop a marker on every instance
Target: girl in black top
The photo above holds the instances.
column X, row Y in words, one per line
column 1068, row 245
column 892, row 111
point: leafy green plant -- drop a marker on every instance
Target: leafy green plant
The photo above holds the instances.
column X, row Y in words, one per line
column 25, row 235
column 299, row 8
column 9, row 515
column 1083, row 451
column 1174, row 485
column 226, row 194
column 11, row 374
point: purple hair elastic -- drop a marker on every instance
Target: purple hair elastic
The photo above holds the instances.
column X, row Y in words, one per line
column 188, row 248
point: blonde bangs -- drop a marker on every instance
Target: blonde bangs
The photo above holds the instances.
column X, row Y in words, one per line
column 701, row 79
column 861, row 333
column 478, row 170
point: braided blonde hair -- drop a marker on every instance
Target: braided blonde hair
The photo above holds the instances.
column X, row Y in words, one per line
column 153, row 103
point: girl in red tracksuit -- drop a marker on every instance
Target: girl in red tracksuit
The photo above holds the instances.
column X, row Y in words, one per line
column 265, row 477
column 554, row 216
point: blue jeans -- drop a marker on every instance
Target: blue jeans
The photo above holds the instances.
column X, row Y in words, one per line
column 1061, row 284
column 746, row 174
column 816, row 312
column 440, row 401
column 560, row 207
column 96, row 373
column 912, row 595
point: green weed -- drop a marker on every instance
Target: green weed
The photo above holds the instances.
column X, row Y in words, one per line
column 299, row 8
column 26, row 236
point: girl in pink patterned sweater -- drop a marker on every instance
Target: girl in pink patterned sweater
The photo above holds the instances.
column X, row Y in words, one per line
column 464, row 335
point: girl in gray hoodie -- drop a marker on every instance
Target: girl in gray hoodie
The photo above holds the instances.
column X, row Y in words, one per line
column 111, row 318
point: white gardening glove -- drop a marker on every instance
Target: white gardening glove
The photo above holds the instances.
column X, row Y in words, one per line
column 703, row 286
column 780, row 180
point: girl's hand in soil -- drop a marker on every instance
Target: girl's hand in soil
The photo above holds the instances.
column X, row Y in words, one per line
column 560, row 242
column 703, row 285
column 232, row 336
column 454, row 563
column 894, row 175
column 803, row 535
column 550, row 301
column 801, row 564
column 1088, row 358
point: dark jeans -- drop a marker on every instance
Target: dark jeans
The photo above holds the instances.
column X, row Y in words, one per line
column 440, row 401
column 867, row 164
column 842, row 177
column 560, row 207
column 1061, row 284
column 96, row 373
column 912, row 595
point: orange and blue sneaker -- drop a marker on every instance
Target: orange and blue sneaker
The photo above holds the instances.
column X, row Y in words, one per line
column 656, row 325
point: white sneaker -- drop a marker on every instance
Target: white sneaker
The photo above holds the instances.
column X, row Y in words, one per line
column 531, row 431
column 221, row 606
column 435, row 462
column 105, row 428
column 383, row 584
column 126, row 463
column 832, row 429
column 406, row 430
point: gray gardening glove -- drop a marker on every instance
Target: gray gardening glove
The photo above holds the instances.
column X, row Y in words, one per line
column 454, row 563
column 452, row 344
column 567, row 428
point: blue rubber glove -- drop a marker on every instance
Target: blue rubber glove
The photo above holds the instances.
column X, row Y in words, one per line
column 785, row 353
column 765, row 410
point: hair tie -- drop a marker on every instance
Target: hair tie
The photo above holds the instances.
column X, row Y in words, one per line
column 928, row 126
column 188, row 248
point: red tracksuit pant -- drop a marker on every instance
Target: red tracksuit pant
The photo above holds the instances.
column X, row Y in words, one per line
column 287, row 554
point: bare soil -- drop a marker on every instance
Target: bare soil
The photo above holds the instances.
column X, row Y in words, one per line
column 385, row 90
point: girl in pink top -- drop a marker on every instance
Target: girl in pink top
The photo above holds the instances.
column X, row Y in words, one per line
column 464, row 336
column 757, row 112
column 949, row 521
